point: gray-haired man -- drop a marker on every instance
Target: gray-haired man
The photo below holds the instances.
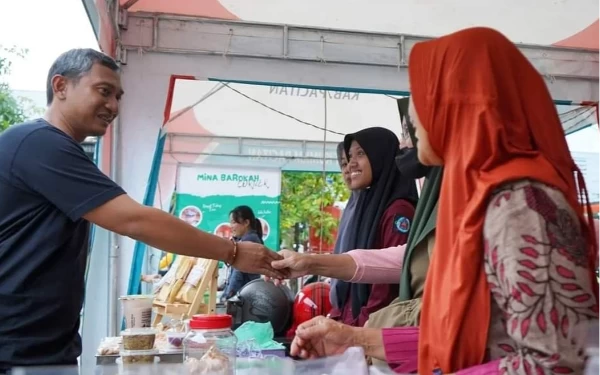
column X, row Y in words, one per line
column 50, row 192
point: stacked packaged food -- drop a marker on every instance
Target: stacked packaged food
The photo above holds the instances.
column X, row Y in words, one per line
column 138, row 346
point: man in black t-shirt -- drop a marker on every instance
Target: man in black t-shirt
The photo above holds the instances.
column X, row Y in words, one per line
column 50, row 192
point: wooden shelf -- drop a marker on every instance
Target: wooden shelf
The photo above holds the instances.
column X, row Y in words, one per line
column 208, row 283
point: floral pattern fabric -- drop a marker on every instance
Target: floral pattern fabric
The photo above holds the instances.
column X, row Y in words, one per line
column 537, row 269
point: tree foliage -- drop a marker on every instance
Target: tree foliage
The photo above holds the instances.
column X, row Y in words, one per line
column 12, row 109
column 303, row 195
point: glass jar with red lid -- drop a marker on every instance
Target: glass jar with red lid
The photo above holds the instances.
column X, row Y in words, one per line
column 210, row 344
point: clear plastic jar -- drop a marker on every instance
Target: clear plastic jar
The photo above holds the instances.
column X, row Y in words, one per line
column 210, row 344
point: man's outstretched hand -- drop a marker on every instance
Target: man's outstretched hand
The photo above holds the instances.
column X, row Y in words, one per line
column 256, row 258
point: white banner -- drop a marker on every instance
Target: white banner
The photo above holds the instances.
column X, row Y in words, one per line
column 203, row 181
column 588, row 164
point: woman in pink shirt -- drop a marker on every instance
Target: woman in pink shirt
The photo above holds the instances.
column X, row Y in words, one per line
column 385, row 266
column 384, row 210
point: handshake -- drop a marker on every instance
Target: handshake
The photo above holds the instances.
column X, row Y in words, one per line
column 285, row 264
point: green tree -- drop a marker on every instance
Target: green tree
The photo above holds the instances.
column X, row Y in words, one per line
column 12, row 109
column 303, row 195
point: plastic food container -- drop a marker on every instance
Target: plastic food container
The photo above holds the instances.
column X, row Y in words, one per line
column 175, row 340
column 210, row 344
column 138, row 357
column 138, row 338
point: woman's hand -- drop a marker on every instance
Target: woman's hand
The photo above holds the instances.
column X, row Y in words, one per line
column 322, row 337
column 337, row 266
column 296, row 264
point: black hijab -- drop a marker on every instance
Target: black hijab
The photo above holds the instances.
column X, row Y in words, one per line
column 407, row 160
column 343, row 236
column 381, row 147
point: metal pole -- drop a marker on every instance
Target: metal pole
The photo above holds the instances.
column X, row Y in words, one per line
column 324, row 171
column 114, row 239
column 113, row 253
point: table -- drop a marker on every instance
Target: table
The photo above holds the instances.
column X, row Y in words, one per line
column 177, row 357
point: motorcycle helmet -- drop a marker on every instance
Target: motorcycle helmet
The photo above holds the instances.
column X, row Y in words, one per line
column 261, row 301
column 311, row 301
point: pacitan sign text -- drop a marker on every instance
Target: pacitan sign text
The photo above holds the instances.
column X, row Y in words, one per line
column 312, row 93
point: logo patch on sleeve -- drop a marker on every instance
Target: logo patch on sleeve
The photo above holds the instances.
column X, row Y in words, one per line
column 401, row 224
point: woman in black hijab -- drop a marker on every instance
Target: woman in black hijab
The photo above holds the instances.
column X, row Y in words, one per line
column 382, row 218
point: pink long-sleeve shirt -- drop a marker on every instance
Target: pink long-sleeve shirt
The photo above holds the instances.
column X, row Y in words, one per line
column 378, row 267
column 385, row 265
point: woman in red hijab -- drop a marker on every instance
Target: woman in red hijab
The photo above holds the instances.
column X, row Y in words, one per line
column 512, row 271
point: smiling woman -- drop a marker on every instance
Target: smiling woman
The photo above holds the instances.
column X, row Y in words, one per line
column 385, row 205
column 361, row 175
